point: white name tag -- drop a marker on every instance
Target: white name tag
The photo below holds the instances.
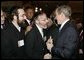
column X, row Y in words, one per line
column 20, row 43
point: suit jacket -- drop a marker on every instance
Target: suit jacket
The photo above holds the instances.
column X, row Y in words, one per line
column 34, row 44
column 66, row 43
column 2, row 43
column 10, row 42
column 53, row 32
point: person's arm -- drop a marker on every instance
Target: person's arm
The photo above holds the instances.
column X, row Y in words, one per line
column 29, row 43
column 28, row 29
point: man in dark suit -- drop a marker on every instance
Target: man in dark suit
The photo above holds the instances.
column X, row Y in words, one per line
column 34, row 40
column 2, row 29
column 67, row 40
column 29, row 12
column 13, row 38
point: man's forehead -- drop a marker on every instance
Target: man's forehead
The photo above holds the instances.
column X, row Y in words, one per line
column 42, row 16
column 20, row 11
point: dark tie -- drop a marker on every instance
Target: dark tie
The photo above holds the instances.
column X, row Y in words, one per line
column 44, row 34
column 58, row 26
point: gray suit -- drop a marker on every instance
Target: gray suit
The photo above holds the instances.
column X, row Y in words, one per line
column 66, row 43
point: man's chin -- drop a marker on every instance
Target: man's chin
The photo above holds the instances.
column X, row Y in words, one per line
column 44, row 27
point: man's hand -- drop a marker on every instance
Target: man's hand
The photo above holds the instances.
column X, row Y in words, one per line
column 49, row 43
column 80, row 51
column 28, row 29
column 47, row 56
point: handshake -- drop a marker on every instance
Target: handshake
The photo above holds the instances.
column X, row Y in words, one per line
column 49, row 45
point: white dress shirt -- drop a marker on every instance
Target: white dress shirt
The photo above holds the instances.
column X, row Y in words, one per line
column 63, row 24
column 40, row 30
column 28, row 21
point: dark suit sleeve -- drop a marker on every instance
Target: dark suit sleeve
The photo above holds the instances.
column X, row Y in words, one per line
column 7, row 51
column 29, row 42
column 33, row 45
column 2, row 44
column 29, row 45
column 70, row 41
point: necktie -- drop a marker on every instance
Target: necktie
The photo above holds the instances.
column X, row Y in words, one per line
column 44, row 34
column 59, row 27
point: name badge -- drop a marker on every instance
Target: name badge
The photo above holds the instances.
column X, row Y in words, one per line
column 20, row 43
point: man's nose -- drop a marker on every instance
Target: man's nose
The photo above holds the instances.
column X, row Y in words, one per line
column 25, row 17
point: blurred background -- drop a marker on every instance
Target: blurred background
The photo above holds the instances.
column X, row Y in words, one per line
column 48, row 6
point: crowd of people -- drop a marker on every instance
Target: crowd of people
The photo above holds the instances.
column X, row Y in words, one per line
column 29, row 35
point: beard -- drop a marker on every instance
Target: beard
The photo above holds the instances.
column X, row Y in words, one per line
column 43, row 26
column 22, row 24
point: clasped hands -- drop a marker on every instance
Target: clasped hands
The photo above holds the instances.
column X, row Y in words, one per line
column 49, row 45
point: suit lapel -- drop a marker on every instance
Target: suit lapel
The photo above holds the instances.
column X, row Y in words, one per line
column 14, row 30
column 64, row 27
column 38, row 33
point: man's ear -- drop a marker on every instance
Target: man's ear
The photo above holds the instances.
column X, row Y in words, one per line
column 15, row 17
column 37, row 21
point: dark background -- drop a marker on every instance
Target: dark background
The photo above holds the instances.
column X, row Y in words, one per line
column 48, row 6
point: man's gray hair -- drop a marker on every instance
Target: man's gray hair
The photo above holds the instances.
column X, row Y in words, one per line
column 65, row 9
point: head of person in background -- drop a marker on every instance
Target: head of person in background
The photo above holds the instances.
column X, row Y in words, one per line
column 41, row 20
column 29, row 12
column 2, row 17
column 79, row 23
column 18, row 16
column 52, row 20
column 52, row 16
column 79, row 26
column 62, row 14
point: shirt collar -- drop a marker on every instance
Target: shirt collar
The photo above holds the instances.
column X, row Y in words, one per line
column 63, row 24
column 28, row 21
column 18, row 27
column 40, row 29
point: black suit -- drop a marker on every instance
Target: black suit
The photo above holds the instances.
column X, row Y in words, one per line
column 2, row 43
column 66, row 43
column 34, row 44
column 3, row 27
column 53, row 32
column 10, row 42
